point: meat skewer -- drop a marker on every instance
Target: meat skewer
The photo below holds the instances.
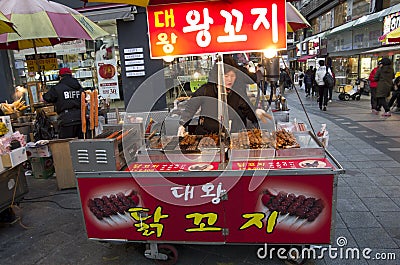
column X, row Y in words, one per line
column 300, row 207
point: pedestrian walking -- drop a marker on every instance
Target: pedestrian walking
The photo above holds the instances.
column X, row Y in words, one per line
column 373, row 84
column 384, row 76
column 301, row 78
column 284, row 80
column 309, row 80
column 330, row 88
column 395, row 94
column 322, row 87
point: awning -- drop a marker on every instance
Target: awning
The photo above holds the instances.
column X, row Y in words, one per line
column 108, row 12
column 343, row 27
column 305, row 58
column 347, row 53
column 383, row 49
column 371, row 18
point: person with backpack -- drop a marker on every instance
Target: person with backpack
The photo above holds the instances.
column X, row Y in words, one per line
column 322, row 87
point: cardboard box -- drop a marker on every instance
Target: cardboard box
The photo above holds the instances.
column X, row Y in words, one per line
column 42, row 167
column 40, row 151
column 14, row 158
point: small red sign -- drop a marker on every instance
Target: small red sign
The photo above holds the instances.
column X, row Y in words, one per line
column 222, row 26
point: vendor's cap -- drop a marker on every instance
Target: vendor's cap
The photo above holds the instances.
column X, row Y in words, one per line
column 65, row 71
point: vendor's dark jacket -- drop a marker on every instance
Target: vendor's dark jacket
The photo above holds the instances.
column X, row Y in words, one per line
column 384, row 76
column 206, row 97
column 66, row 96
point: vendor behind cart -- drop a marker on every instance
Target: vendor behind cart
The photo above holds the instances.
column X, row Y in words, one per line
column 206, row 98
column 66, row 96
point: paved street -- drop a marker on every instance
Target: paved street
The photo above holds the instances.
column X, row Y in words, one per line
column 368, row 202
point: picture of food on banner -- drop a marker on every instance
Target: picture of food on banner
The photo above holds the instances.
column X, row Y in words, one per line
column 107, row 71
column 296, row 211
column 312, row 164
column 200, row 167
column 112, row 209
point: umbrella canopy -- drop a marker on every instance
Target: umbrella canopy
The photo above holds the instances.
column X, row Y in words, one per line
column 6, row 26
column 392, row 36
column 44, row 23
column 295, row 20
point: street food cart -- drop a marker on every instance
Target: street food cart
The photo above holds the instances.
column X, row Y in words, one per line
column 274, row 185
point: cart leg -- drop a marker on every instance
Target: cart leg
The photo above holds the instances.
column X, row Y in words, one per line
column 164, row 254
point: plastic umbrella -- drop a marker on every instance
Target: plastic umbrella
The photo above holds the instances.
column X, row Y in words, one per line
column 6, row 26
column 392, row 36
column 295, row 20
column 44, row 23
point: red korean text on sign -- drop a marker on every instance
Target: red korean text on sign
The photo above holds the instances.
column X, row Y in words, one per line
column 209, row 27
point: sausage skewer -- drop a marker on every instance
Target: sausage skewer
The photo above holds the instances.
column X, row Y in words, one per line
column 96, row 105
column 91, row 113
column 83, row 114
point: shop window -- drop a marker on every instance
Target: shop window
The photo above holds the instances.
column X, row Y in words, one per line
column 360, row 8
column 340, row 12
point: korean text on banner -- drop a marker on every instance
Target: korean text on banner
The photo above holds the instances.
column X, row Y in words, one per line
column 210, row 27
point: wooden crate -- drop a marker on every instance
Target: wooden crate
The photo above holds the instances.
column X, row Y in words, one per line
column 65, row 174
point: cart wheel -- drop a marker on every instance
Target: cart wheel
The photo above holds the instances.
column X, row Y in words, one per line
column 346, row 97
column 341, row 97
column 358, row 97
column 171, row 252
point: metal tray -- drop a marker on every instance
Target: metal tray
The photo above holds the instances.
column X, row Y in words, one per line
column 309, row 147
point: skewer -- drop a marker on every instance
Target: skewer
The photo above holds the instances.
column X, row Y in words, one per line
column 123, row 216
column 284, row 218
column 297, row 218
column 305, row 221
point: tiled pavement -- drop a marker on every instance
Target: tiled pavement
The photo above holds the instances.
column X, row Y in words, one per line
column 368, row 205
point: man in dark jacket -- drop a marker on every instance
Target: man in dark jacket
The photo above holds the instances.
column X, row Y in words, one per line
column 309, row 80
column 66, row 96
column 384, row 76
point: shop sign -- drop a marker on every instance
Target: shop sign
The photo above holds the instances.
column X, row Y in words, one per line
column 107, row 71
column 46, row 61
column 391, row 22
column 69, row 47
column 221, row 26
column 194, row 209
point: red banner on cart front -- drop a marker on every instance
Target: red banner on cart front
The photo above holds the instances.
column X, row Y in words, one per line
column 283, row 209
column 221, row 26
column 282, row 164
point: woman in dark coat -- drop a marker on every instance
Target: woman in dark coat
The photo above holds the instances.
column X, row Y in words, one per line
column 384, row 76
column 206, row 99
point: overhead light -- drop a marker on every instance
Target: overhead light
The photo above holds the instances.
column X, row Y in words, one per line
column 270, row 53
column 168, row 59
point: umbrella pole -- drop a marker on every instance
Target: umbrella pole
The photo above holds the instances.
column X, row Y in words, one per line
column 38, row 65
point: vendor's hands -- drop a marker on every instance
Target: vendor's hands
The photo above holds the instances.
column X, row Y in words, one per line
column 262, row 115
column 181, row 131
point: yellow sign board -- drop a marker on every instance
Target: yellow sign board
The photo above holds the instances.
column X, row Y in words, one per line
column 46, row 61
